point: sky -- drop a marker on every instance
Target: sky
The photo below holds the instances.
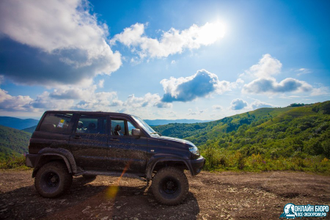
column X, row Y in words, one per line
column 163, row 59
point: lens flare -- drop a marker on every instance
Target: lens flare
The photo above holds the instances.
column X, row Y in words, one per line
column 112, row 190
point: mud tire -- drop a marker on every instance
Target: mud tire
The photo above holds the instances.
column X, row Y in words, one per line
column 170, row 186
column 52, row 179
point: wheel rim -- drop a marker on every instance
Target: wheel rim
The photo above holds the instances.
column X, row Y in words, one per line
column 51, row 179
column 169, row 185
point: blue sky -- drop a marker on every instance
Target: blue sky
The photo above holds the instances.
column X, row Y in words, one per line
column 162, row 59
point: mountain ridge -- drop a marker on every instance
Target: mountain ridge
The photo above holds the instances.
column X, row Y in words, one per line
column 17, row 123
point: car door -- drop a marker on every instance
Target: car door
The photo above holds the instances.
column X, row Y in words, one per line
column 127, row 152
column 89, row 142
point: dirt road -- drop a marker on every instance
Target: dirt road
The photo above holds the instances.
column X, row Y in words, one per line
column 226, row 195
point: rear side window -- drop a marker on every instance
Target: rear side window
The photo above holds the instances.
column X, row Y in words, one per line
column 57, row 123
column 91, row 124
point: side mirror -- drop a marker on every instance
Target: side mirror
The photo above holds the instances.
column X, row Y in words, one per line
column 136, row 132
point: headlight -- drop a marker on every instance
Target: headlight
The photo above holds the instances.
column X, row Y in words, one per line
column 194, row 150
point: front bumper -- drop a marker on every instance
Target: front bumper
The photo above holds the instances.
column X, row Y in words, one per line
column 197, row 165
column 31, row 160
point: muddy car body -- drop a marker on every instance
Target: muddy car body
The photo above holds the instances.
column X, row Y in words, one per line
column 70, row 143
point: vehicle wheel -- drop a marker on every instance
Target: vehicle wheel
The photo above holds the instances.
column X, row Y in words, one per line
column 170, row 186
column 52, row 179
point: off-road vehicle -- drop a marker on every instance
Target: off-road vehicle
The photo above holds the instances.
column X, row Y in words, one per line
column 71, row 143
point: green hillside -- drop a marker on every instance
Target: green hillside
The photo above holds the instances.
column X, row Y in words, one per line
column 30, row 129
column 13, row 142
column 291, row 138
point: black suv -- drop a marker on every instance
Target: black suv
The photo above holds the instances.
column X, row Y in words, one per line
column 67, row 143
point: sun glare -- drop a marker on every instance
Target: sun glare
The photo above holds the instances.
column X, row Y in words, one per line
column 211, row 32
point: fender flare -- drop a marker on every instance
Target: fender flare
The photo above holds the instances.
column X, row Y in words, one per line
column 65, row 154
column 164, row 158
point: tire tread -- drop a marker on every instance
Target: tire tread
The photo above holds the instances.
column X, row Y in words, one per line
column 182, row 179
column 65, row 178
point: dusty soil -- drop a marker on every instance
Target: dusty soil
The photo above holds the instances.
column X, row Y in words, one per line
column 226, row 195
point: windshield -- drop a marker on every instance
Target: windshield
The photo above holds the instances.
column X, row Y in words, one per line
column 145, row 126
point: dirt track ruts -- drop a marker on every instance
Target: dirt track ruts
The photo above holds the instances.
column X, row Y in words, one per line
column 226, row 195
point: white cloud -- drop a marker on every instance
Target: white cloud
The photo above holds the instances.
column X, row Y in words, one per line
column 46, row 102
column 238, row 104
column 148, row 105
column 270, row 86
column 265, row 82
column 320, row 91
column 55, row 42
column 14, row 103
column 73, row 92
column 185, row 89
column 266, row 67
column 130, row 36
column 27, row 104
column 148, row 100
column 258, row 104
column 101, row 101
column 81, row 98
column 171, row 42
column 302, row 71
column 85, row 98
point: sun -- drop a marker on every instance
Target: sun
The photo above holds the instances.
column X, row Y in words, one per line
column 211, row 32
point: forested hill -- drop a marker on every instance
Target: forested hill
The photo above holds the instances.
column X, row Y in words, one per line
column 13, row 142
column 264, row 117
column 298, row 131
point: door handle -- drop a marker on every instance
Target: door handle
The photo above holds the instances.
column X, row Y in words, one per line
column 113, row 139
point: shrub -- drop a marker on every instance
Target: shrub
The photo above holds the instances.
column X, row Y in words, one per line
column 13, row 162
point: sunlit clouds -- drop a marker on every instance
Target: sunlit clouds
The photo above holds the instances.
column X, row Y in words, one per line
column 161, row 60
column 170, row 42
column 266, row 83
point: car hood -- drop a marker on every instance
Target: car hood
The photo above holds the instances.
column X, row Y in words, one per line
column 176, row 140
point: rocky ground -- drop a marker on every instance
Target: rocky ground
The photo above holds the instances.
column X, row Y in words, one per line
column 226, row 195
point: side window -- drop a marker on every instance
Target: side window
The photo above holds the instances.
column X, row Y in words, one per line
column 130, row 127
column 91, row 124
column 56, row 123
column 120, row 127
